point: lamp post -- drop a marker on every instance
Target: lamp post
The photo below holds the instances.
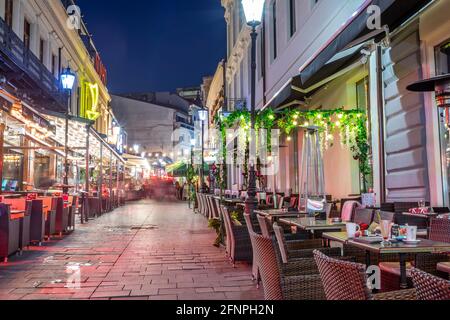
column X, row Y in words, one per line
column 203, row 115
column 67, row 82
column 253, row 10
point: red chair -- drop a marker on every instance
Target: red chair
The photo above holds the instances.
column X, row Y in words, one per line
column 9, row 233
column 38, row 220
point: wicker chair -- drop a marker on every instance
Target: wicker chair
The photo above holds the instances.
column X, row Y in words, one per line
column 240, row 246
column 294, row 281
column 390, row 271
column 429, row 287
column 343, row 280
column 387, row 207
column 265, row 230
column 383, row 215
column 363, row 216
column 290, row 250
column 255, row 269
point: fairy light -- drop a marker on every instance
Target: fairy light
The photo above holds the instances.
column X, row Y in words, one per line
column 338, row 123
column 306, row 124
column 289, row 138
column 340, row 116
column 295, row 123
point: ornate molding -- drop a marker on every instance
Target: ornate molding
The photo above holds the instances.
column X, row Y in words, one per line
column 229, row 7
column 238, row 53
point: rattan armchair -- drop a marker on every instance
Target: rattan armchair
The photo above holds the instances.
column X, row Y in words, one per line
column 429, row 287
column 298, row 280
column 343, row 280
column 290, row 250
column 238, row 239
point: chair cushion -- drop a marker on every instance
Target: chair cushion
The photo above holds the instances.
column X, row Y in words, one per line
column 394, row 268
column 444, row 267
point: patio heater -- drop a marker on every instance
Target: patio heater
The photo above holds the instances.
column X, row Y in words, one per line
column 67, row 82
column 312, row 196
column 253, row 10
column 440, row 85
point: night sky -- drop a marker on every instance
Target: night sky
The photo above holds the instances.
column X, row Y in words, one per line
column 156, row 45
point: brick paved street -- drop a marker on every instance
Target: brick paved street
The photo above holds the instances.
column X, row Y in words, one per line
column 145, row 250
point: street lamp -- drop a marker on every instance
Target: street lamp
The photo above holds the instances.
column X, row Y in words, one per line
column 203, row 115
column 253, row 10
column 67, row 82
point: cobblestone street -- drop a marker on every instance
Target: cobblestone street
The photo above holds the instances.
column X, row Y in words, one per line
column 145, row 250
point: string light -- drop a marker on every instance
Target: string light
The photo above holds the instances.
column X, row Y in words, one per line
column 289, row 138
column 306, row 124
column 340, row 116
column 295, row 123
column 338, row 123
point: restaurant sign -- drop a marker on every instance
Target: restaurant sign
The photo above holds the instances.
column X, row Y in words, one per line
column 29, row 114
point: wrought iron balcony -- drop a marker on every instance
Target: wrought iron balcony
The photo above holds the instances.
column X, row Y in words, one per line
column 27, row 73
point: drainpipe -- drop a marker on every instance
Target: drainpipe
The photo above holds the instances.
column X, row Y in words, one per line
column 381, row 148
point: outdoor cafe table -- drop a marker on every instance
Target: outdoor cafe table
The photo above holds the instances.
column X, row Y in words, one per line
column 277, row 214
column 313, row 225
column 400, row 248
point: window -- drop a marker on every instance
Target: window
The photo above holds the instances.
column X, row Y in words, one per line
column 292, row 18
column 442, row 67
column 41, row 50
column 363, row 105
column 274, row 30
column 9, row 12
column 53, row 64
column 26, row 33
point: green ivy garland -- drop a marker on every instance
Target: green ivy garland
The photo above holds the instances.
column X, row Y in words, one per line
column 351, row 125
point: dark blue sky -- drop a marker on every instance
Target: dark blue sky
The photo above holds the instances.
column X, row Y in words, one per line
column 156, row 45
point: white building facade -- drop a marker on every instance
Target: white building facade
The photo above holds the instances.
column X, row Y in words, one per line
column 405, row 131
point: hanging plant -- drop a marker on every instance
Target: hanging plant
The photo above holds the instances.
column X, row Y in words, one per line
column 350, row 124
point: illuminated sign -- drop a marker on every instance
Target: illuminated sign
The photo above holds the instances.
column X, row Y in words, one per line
column 89, row 101
column 100, row 68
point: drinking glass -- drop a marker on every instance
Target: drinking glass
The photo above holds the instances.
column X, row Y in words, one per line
column 385, row 227
column 422, row 204
column 411, row 233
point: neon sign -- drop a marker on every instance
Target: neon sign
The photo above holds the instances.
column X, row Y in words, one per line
column 90, row 101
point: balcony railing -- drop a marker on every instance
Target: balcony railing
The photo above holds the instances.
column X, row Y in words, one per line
column 14, row 48
column 236, row 104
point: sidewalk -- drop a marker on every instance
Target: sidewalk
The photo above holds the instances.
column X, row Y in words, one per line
column 145, row 250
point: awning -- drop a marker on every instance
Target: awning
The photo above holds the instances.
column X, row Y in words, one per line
column 343, row 51
column 180, row 169
column 295, row 90
column 393, row 14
